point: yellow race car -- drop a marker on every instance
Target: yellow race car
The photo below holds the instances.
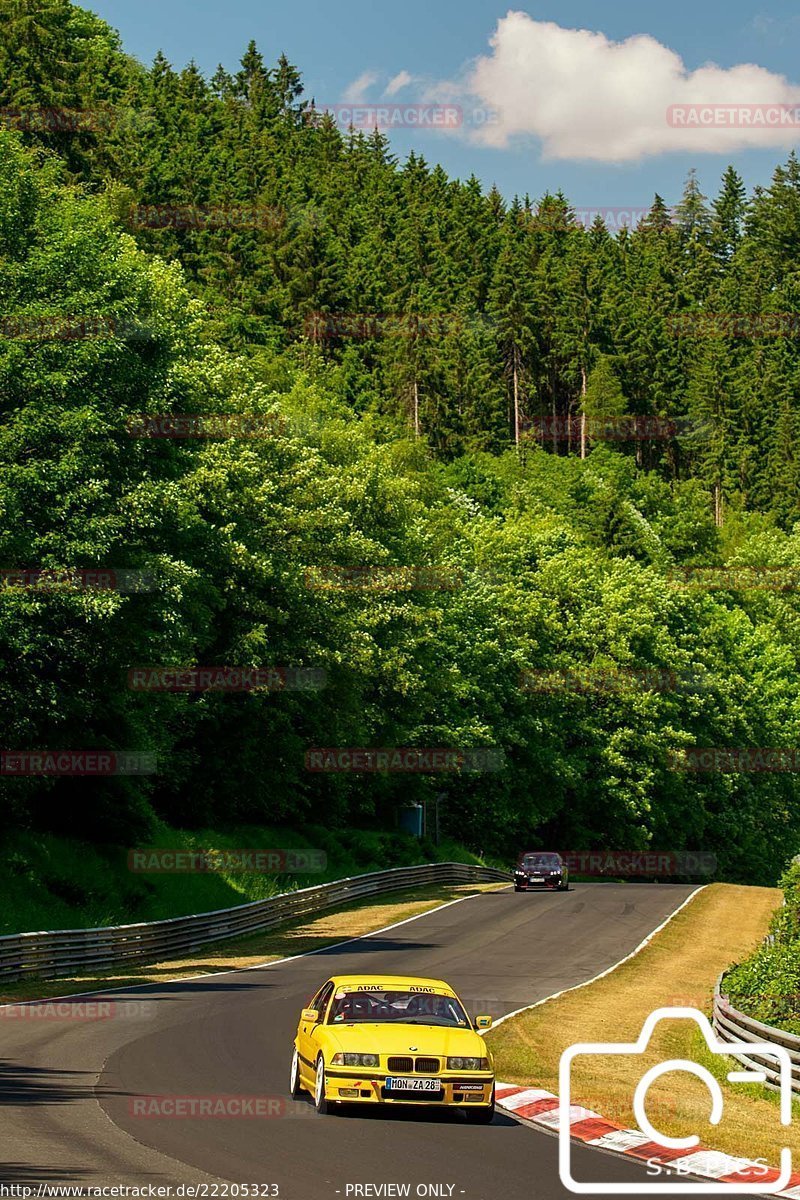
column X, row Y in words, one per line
column 392, row 1039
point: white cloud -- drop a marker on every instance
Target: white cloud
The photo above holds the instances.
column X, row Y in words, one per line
column 586, row 97
column 397, row 83
column 355, row 92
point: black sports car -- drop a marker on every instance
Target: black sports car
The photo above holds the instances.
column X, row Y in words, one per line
column 541, row 869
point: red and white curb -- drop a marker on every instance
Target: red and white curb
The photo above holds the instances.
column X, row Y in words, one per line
column 542, row 1108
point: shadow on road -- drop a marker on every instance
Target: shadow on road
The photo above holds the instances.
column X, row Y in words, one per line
column 374, row 945
column 17, row 1172
column 189, row 987
column 425, row 1114
column 21, row 1084
column 421, row 1115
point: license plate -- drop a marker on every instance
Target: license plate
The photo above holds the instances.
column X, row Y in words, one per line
column 538, row 879
column 402, row 1083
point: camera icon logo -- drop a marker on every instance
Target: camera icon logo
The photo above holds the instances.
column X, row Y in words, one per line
column 736, row 1049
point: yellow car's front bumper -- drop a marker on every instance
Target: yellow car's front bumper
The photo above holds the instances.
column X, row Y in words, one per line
column 369, row 1087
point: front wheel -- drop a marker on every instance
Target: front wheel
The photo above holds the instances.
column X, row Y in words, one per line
column 294, row 1076
column 320, row 1103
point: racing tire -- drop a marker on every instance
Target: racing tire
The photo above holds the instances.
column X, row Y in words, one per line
column 320, row 1103
column 518, row 889
column 295, row 1087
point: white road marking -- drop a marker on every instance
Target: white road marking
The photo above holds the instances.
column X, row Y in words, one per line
column 575, row 987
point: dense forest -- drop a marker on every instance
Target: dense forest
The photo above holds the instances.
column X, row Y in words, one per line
column 556, row 423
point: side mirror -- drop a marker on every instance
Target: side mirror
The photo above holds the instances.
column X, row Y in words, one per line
column 483, row 1022
column 310, row 1016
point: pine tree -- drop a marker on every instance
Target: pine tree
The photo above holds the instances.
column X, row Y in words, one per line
column 552, row 231
column 251, row 80
column 287, row 88
column 658, row 220
column 602, row 402
column 511, row 306
column 728, row 215
column 691, row 214
column 773, row 219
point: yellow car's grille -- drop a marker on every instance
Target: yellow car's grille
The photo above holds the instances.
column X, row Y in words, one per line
column 422, row 1066
column 427, row 1066
column 401, row 1064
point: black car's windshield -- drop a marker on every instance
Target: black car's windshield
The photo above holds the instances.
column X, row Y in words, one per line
column 541, row 862
column 403, row 1008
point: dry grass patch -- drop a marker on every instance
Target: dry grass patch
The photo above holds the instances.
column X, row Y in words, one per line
column 721, row 925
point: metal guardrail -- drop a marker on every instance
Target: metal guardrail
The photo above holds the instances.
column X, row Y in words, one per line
column 62, row 951
column 731, row 1025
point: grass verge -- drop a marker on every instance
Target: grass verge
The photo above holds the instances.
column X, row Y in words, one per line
column 352, row 920
column 680, row 966
column 52, row 882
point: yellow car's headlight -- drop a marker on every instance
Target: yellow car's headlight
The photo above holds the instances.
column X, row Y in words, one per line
column 468, row 1064
column 354, row 1060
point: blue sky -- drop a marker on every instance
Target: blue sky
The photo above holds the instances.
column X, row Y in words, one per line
column 551, row 80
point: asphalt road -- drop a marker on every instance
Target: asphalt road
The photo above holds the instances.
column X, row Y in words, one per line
column 68, row 1087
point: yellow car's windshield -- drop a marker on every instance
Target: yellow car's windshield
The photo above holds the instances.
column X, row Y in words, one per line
column 404, row 1008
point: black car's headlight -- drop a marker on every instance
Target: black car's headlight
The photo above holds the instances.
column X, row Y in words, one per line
column 354, row 1060
column 468, row 1064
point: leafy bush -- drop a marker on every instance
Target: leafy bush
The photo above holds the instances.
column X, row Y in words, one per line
column 767, row 985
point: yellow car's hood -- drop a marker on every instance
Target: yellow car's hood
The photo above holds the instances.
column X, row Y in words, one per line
column 385, row 1038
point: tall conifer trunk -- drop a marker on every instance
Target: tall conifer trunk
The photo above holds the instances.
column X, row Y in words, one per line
column 516, row 401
